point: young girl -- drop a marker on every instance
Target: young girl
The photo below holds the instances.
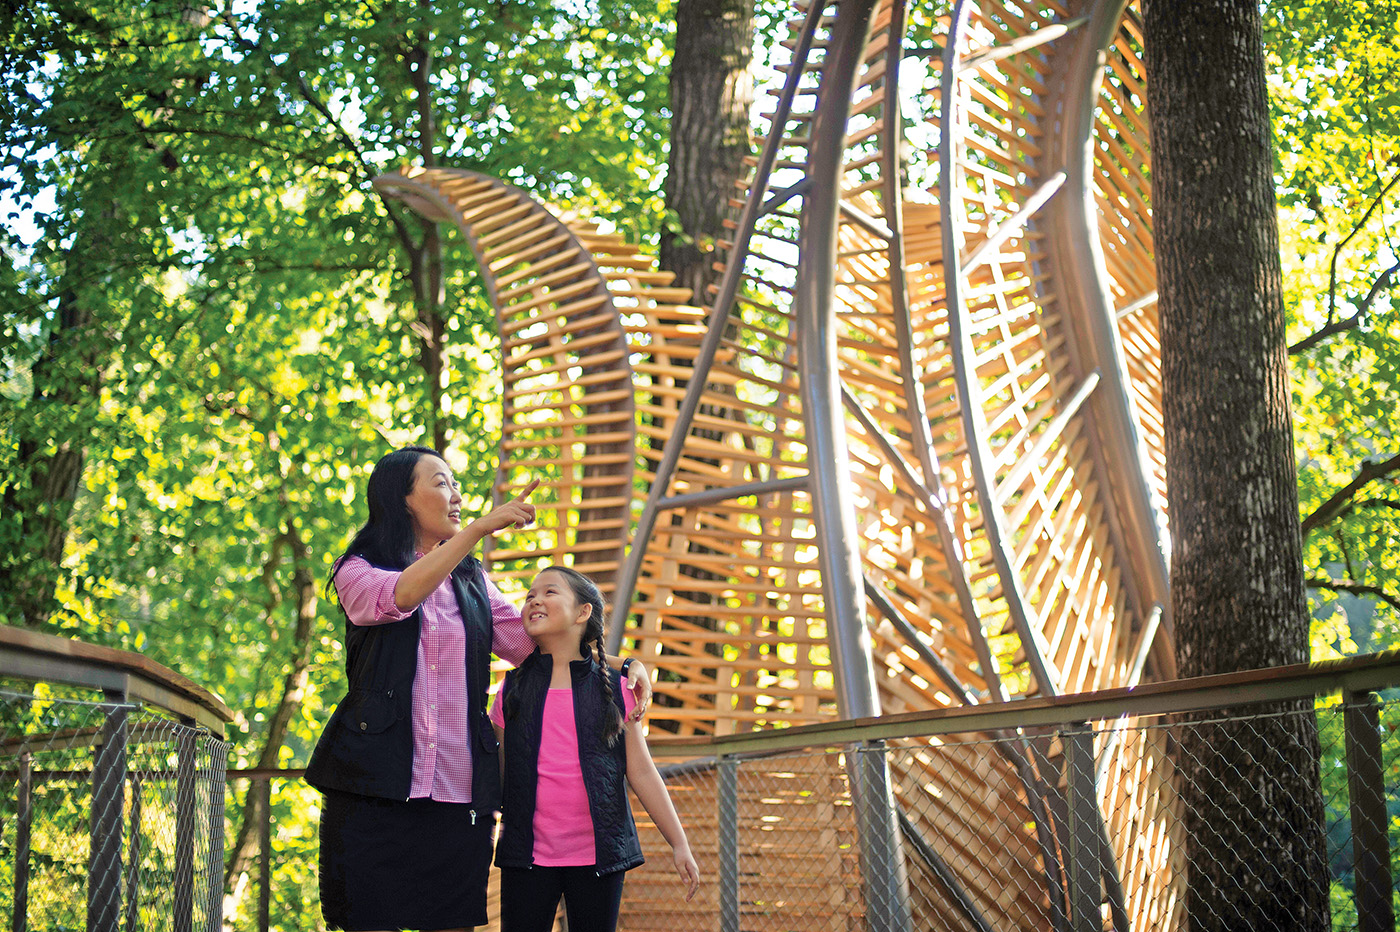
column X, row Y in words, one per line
column 568, row 756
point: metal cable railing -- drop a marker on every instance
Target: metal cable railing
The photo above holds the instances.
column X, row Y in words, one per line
column 112, row 816
column 775, row 828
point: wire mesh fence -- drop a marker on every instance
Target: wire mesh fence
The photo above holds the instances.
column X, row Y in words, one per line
column 1105, row 824
column 1241, row 819
column 111, row 816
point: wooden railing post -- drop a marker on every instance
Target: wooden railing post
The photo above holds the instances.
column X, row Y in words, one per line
column 1366, row 787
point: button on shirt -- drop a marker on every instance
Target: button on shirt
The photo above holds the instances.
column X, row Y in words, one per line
column 442, row 754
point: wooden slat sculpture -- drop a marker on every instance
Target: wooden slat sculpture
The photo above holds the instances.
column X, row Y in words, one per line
column 909, row 457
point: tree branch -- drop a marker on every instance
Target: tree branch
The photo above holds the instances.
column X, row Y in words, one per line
column 1341, row 500
column 298, row 79
column 1334, row 327
column 1337, row 585
column 1336, row 253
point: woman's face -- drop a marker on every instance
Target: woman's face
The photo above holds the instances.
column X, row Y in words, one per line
column 551, row 608
column 434, row 502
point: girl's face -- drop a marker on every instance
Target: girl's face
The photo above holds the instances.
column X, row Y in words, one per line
column 434, row 502
column 553, row 612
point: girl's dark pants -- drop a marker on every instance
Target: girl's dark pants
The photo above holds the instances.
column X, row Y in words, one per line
column 530, row 898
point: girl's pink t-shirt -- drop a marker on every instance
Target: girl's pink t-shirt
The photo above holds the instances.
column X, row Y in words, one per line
column 563, row 825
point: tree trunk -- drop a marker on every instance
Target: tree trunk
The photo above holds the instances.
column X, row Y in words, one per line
column 240, row 857
column 1250, row 789
column 39, row 496
column 425, row 257
column 711, row 93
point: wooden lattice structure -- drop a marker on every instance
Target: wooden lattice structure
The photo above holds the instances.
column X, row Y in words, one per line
column 910, row 455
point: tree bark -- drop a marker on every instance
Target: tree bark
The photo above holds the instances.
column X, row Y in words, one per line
column 1250, row 790
column 240, row 857
column 425, row 257
column 39, row 496
column 711, row 93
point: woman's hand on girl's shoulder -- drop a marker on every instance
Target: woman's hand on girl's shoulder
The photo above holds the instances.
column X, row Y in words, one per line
column 639, row 682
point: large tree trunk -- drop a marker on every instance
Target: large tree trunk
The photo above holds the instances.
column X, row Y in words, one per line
column 711, row 92
column 38, row 497
column 1250, row 789
column 711, row 95
column 239, row 858
column 425, row 258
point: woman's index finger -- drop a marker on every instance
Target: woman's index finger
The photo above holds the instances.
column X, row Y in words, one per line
column 534, row 484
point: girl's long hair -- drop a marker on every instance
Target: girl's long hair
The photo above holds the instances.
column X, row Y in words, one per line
column 590, row 646
column 386, row 540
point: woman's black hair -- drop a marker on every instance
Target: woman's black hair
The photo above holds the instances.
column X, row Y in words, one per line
column 386, row 540
column 590, row 646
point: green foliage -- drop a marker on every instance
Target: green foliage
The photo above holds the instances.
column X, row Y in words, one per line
column 1335, row 93
column 196, row 181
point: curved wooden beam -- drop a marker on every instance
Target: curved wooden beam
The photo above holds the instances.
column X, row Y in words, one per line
column 568, row 399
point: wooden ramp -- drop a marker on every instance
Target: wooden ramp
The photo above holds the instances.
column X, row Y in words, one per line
column 908, row 457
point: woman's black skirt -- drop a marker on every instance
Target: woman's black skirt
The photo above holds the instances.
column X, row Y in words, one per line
column 391, row 864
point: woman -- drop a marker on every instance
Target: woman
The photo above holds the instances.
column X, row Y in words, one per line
column 408, row 762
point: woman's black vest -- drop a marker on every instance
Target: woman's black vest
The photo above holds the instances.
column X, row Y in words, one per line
column 604, row 768
column 367, row 745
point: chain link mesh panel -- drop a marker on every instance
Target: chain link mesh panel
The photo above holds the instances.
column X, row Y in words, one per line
column 1039, row 830
column 1005, row 831
column 112, row 815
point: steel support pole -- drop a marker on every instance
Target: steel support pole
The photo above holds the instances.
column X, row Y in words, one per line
column 185, row 816
column 104, row 898
column 728, row 815
column 1366, row 787
column 134, row 844
column 214, row 867
column 1082, row 861
column 814, row 312
column 24, row 822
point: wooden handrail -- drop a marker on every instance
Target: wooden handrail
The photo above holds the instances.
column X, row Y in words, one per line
column 1362, row 673
column 32, row 655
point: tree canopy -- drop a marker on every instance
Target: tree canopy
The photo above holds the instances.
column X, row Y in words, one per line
column 1335, row 97
column 212, row 325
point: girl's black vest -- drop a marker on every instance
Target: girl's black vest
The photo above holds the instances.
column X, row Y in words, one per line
column 604, row 768
column 367, row 745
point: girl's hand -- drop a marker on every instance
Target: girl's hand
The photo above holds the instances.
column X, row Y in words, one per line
column 688, row 870
column 640, row 683
column 516, row 513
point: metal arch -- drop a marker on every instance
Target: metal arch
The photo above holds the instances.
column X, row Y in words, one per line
column 932, row 487
column 833, row 505
column 1081, row 78
column 723, row 306
column 1077, row 260
column 950, row 142
column 816, row 328
column 423, row 190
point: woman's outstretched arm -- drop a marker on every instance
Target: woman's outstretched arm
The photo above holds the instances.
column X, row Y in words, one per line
column 424, row 575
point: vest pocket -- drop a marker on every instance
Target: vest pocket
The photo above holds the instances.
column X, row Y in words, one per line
column 370, row 713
